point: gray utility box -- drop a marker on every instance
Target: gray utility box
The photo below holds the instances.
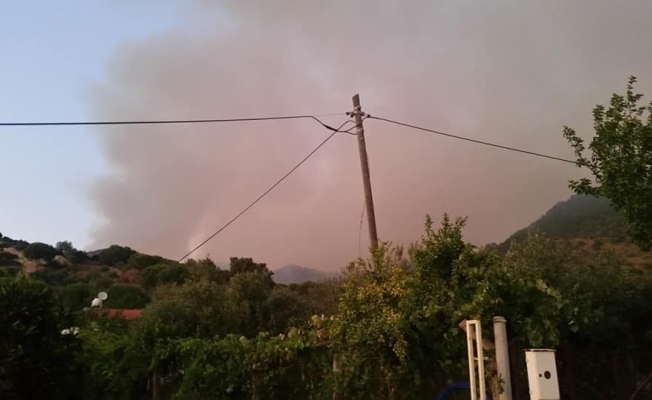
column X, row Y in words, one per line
column 542, row 374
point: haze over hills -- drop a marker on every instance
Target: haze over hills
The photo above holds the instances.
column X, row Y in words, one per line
column 291, row 273
column 585, row 222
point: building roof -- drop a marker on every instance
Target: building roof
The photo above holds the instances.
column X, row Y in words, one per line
column 128, row 314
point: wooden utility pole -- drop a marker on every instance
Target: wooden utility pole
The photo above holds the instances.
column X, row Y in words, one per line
column 366, row 178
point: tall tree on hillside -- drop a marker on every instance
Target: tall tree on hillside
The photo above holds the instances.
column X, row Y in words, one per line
column 620, row 160
column 65, row 247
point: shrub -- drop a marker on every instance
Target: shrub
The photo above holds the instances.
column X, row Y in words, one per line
column 8, row 259
column 53, row 277
column 126, row 297
column 40, row 251
column 76, row 296
column 37, row 361
column 115, row 254
column 141, row 261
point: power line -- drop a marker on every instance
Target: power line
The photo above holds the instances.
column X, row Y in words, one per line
column 532, row 153
column 169, row 121
column 265, row 193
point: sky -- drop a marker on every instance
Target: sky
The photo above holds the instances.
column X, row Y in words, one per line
column 52, row 54
column 509, row 72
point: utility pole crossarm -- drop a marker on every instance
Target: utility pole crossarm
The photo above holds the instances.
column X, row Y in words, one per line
column 366, row 177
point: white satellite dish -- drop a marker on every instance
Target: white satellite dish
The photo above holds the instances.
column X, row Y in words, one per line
column 102, row 296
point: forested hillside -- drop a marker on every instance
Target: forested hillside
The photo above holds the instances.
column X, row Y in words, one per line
column 579, row 217
column 590, row 225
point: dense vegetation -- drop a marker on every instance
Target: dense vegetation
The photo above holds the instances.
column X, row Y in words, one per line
column 388, row 328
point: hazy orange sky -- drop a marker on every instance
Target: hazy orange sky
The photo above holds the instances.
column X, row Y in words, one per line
column 510, row 72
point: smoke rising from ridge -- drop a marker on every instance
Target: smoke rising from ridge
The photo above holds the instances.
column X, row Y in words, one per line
column 508, row 72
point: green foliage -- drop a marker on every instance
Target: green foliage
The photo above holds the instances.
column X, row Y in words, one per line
column 115, row 254
column 66, row 248
column 620, row 160
column 9, row 259
column 113, row 364
column 141, row 261
column 39, row 251
column 195, row 309
column 253, row 289
column 397, row 323
column 390, row 325
column 578, row 217
column 242, row 265
column 285, row 308
column 8, row 272
column 164, row 274
column 76, row 296
column 51, row 276
column 126, row 297
column 206, row 269
column 267, row 367
column 36, row 361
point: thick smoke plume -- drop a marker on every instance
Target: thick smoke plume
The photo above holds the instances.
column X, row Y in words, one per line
column 510, row 72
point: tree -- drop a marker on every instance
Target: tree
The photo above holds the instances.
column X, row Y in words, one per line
column 286, row 309
column 206, row 269
column 40, row 251
column 194, row 309
column 36, row 360
column 620, row 160
column 241, row 265
column 126, row 297
column 115, row 254
column 253, row 289
column 66, row 248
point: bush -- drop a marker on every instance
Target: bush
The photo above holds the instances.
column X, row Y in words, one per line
column 9, row 272
column 164, row 274
column 8, row 259
column 53, row 277
column 126, row 297
column 115, row 254
column 37, row 361
column 141, row 261
column 76, row 296
column 40, row 251
column 102, row 282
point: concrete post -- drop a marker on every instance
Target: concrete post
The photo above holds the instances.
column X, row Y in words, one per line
column 502, row 357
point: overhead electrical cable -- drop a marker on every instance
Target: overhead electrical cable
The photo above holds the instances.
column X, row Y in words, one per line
column 265, row 193
column 532, row 153
column 168, row 121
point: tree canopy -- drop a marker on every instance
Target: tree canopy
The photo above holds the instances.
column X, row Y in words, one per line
column 620, row 160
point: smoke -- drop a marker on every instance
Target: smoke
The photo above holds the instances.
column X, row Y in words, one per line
column 509, row 72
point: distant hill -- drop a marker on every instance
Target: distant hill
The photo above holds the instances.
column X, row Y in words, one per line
column 588, row 223
column 291, row 273
column 579, row 217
